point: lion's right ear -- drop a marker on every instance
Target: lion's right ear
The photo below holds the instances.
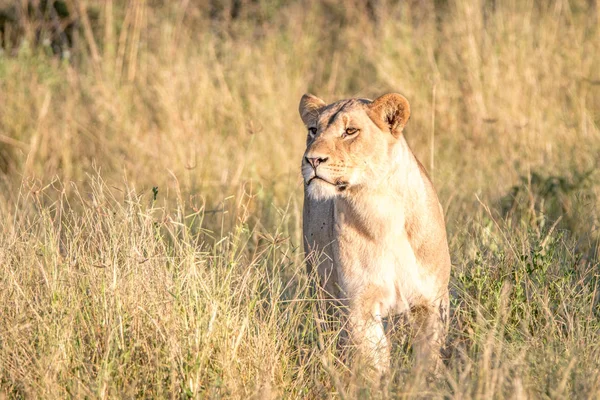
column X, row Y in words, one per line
column 390, row 111
column 309, row 108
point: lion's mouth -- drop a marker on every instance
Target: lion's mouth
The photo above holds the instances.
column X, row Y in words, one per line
column 339, row 184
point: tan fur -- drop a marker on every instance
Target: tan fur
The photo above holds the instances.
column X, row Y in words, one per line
column 373, row 225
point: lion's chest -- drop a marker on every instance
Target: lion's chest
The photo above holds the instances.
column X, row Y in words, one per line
column 378, row 259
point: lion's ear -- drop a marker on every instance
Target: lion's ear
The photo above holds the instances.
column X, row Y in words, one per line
column 390, row 111
column 309, row 108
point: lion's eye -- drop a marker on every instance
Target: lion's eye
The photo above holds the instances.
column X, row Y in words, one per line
column 312, row 131
column 351, row 131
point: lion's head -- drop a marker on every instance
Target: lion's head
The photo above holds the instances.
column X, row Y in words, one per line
column 351, row 143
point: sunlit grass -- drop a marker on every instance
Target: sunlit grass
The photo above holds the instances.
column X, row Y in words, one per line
column 150, row 199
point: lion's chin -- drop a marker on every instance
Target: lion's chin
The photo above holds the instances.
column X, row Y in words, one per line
column 320, row 190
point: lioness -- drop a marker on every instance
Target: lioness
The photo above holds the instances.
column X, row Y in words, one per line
column 373, row 225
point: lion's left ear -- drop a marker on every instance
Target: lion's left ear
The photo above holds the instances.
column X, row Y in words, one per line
column 390, row 111
column 309, row 108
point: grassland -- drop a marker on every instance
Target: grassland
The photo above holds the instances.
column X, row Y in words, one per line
column 150, row 196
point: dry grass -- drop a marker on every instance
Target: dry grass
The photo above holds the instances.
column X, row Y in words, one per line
column 110, row 288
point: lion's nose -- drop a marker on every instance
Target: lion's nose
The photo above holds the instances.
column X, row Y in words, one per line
column 315, row 161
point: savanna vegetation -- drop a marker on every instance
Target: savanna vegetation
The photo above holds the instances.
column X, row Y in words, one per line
column 150, row 192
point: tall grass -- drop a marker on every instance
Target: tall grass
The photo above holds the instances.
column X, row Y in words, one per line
column 150, row 240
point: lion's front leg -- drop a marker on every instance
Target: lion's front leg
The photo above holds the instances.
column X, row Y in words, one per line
column 367, row 336
column 430, row 326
